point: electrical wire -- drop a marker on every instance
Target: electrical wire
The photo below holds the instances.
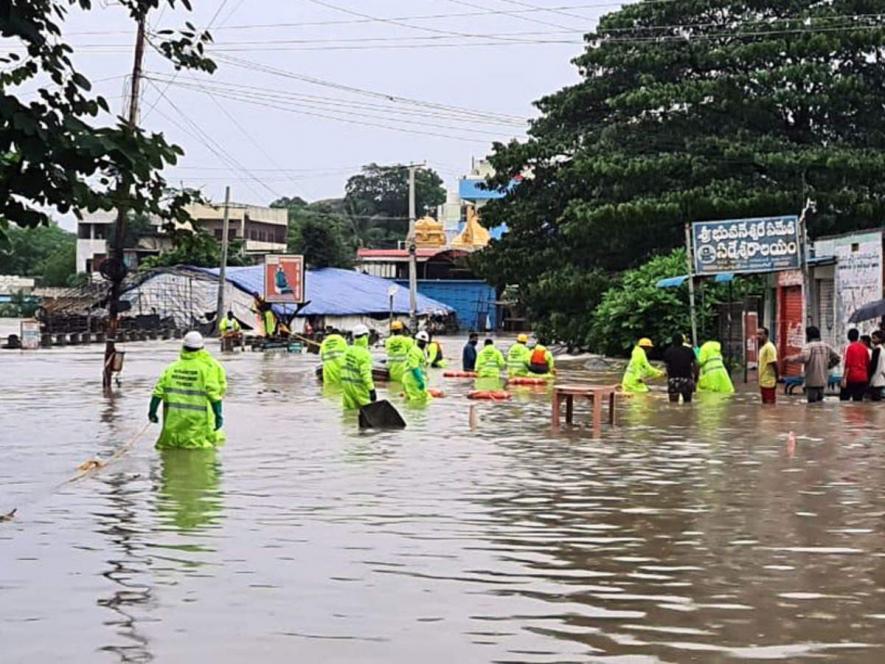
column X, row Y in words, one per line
column 512, row 14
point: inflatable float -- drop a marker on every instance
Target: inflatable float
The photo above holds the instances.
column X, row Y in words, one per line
column 489, row 395
column 459, row 374
column 526, row 380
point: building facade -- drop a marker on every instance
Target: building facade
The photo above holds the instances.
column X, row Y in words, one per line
column 262, row 230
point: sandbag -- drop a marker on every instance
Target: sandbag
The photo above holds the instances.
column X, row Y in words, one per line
column 521, row 380
column 380, row 415
column 459, row 374
column 490, row 395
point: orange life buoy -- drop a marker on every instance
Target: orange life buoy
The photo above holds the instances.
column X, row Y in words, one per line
column 523, row 380
column 490, row 395
column 459, row 374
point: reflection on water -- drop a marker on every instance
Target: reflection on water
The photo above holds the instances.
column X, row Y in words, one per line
column 692, row 533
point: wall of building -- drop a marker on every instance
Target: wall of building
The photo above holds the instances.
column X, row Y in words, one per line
column 472, row 299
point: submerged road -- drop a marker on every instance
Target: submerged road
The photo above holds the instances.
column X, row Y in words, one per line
column 689, row 534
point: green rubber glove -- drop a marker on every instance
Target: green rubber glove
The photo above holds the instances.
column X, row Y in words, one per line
column 419, row 376
column 152, row 411
column 219, row 419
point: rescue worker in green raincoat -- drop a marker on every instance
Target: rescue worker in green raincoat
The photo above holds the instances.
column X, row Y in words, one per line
column 415, row 376
column 190, row 390
column 490, row 363
column 356, row 373
column 639, row 369
column 435, row 357
column 714, row 375
column 397, row 347
column 518, row 358
column 332, row 355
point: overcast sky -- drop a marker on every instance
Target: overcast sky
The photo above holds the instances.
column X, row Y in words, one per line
column 305, row 138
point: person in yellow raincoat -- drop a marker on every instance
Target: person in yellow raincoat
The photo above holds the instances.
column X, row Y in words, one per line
column 639, row 369
column 489, row 364
column 356, row 374
column 332, row 355
column 714, row 375
column 518, row 358
column 397, row 347
column 415, row 375
column 190, row 391
column 435, row 357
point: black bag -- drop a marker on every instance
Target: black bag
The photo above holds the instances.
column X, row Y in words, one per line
column 381, row 415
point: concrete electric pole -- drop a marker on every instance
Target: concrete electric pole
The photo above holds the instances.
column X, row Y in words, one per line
column 225, row 241
column 413, row 251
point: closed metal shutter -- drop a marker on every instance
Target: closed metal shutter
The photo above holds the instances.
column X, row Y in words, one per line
column 826, row 311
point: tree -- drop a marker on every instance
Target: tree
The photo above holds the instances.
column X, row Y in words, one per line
column 381, row 194
column 197, row 248
column 53, row 151
column 60, row 268
column 46, row 252
column 635, row 307
column 319, row 231
column 690, row 111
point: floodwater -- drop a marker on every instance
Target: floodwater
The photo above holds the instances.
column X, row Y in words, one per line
column 688, row 534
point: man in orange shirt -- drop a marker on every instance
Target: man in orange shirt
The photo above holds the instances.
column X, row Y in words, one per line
column 855, row 368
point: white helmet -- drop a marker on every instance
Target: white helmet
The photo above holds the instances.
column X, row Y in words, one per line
column 360, row 330
column 193, row 341
column 422, row 336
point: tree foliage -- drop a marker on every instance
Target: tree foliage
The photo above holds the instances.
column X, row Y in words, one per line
column 55, row 150
column 635, row 307
column 197, row 248
column 696, row 110
column 47, row 253
column 319, row 231
column 380, row 194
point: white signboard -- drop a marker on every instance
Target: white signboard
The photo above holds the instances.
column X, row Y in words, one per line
column 858, row 279
column 30, row 336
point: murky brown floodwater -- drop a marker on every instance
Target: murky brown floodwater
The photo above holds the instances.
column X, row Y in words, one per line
column 687, row 535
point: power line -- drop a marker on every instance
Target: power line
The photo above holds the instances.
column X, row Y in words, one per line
column 361, row 107
column 349, row 118
column 257, row 66
column 512, row 14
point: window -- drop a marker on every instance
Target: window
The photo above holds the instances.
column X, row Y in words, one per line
column 218, row 234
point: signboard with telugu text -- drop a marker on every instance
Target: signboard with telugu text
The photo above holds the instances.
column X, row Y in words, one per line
column 763, row 244
column 30, row 334
column 284, row 279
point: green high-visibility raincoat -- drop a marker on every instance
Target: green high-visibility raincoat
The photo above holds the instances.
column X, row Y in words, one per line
column 415, row 376
column 714, row 376
column 356, row 374
column 220, row 373
column 638, row 371
column 269, row 318
column 332, row 355
column 490, row 363
column 397, row 347
column 434, row 355
column 518, row 360
column 188, row 388
column 229, row 325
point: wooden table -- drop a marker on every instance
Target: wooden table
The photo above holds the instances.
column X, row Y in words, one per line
column 595, row 393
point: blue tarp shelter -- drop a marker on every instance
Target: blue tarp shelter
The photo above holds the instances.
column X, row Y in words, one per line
column 335, row 292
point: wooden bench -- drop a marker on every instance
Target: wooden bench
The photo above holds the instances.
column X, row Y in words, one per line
column 596, row 394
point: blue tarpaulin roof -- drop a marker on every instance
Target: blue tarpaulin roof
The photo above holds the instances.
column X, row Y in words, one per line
column 676, row 282
column 336, row 292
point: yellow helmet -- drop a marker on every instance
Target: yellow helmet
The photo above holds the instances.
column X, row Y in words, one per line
column 645, row 342
column 522, row 338
column 396, row 326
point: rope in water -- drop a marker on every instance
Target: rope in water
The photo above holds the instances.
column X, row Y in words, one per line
column 84, row 470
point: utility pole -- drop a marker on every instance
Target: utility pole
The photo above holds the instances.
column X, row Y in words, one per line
column 803, row 256
column 117, row 273
column 691, row 304
column 413, row 251
column 225, row 227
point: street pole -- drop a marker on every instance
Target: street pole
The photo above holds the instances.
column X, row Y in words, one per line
column 413, row 250
column 118, row 270
column 803, row 247
column 225, row 227
column 691, row 304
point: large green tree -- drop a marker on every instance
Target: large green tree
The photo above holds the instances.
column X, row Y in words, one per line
column 692, row 110
column 57, row 150
column 380, row 195
column 46, row 252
